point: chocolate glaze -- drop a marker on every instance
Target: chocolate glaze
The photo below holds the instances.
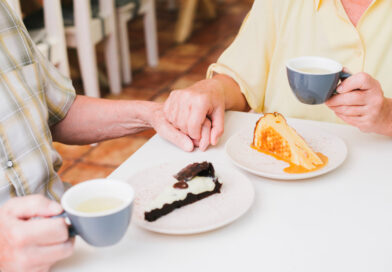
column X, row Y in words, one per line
column 180, row 185
column 204, row 169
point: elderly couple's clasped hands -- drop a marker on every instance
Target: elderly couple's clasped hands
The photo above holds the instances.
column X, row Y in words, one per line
column 195, row 115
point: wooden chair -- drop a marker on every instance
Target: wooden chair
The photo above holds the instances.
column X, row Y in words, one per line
column 187, row 13
column 86, row 32
column 49, row 36
column 124, row 14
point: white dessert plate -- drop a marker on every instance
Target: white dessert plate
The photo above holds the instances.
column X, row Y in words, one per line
column 215, row 211
column 242, row 155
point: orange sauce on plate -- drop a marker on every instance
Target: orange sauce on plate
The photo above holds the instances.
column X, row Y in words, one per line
column 293, row 168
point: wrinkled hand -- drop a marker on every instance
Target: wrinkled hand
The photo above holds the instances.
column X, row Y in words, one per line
column 361, row 103
column 166, row 130
column 32, row 244
column 197, row 110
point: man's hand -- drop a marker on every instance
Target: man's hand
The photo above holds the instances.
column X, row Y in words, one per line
column 28, row 244
column 192, row 109
column 361, row 103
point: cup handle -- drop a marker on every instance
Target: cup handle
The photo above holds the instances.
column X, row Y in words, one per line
column 344, row 75
column 71, row 231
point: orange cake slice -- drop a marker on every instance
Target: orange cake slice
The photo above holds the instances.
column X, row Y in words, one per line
column 274, row 136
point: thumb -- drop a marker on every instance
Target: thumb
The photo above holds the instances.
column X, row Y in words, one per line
column 173, row 135
column 218, row 122
column 33, row 206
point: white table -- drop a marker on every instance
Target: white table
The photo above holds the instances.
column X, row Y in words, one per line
column 341, row 221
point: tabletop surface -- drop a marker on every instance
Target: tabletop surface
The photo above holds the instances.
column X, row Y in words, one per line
column 341, row 221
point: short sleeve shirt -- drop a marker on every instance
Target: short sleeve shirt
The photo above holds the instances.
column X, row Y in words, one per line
column 277, row 30
column 33, row 97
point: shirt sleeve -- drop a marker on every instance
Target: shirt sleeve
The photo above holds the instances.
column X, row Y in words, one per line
column 247, row 59
column 59, row 91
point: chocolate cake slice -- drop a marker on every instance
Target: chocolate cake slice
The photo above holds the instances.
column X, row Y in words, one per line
column 193, row 183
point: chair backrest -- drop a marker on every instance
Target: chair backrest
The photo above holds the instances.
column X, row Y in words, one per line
column 54, row 28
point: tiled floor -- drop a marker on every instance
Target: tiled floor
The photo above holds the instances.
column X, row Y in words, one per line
column 179, row 67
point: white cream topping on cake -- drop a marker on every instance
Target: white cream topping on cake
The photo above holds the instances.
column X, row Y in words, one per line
column 196, row 186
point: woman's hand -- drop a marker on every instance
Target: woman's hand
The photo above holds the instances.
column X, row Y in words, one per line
column 166, row 130
column 360, row 102
column 198, row 107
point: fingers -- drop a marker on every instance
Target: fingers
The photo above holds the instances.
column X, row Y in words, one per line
column 205, row 135
column 33, row 206
column 188, row 109
column 40, row 258
column 356, row 121
column 349, row 110
column 46, row 231
column 170, row 108
column 346, row 70
column 196, row 122
column 173, row 135
column 354, row 98
column 218, row 122
column 360, row 81
column 54, row 253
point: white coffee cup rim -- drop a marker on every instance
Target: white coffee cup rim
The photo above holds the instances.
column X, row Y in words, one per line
column 125, row 186
column 309, row 61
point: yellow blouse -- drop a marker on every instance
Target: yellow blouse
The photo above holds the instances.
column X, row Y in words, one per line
column 277, row 30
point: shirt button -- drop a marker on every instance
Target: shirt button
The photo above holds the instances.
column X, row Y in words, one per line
column 10, row 164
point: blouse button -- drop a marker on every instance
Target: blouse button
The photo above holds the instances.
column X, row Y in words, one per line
column 10, row 164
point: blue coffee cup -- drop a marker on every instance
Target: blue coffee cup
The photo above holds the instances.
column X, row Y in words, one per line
column 313, row 80
column 102, row 228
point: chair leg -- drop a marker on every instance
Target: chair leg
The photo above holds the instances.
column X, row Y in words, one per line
column 150, row 33
column 86, row 48
column 185, row 20
column 54, row 26
column 88, row 66
column 122, row 26
column 111, row 49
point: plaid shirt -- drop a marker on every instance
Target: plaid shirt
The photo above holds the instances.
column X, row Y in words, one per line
column 33, row 97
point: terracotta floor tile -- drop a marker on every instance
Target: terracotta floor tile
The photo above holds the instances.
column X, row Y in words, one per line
column 66, row 164
column 226, row 43
column 166, row 38
column 71, row 152
column 201, row 68
column 236, row 10
column 138, row 59
column 204, row 37
column 147, row 134
column 131, row 93
column 85, row 171
column 188, row 50
column 186, row 81
column 215, row 54
column 176, row 63
column 162, row 97
column 152, row 79
column 114, row 152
